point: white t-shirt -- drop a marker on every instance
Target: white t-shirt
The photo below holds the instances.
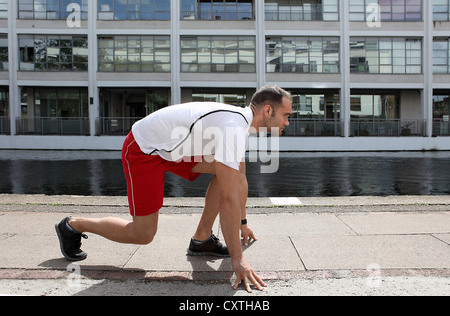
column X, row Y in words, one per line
column 198, row 129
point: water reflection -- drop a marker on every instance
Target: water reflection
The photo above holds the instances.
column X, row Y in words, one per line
column 100, row 173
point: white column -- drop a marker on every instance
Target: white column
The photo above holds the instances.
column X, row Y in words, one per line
column 13, row 43
column 260, row 44
column 175, row 51
column 345, row 67
column 427, row 96
column 94, row 96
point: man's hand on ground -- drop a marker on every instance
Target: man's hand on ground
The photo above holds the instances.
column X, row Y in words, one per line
column 245, row 274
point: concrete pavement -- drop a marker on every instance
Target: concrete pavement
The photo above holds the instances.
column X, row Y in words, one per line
column 357, row 242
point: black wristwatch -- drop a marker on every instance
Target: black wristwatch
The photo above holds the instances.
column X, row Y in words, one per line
column 244, row 222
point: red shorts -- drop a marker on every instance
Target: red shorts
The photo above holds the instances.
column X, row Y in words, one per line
column 145, row 177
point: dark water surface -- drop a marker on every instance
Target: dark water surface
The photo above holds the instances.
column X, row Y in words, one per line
column 300, row 174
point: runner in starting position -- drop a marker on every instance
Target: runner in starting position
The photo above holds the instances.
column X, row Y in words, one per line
column 189, row 140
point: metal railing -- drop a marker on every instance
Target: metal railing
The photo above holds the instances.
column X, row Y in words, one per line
column 5, row 125
column 53, row 126
column 313, row 127
column 225, row 13
column 441, row 127
column 115, row 126
column 362, row 128
column 388, row 128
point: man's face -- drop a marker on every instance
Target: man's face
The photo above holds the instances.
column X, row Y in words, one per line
column 280, row 118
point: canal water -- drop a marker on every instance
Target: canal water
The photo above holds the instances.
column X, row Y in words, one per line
column 300, row 174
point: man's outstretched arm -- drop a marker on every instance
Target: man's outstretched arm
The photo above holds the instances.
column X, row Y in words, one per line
column 246, row 232
column 230, row 219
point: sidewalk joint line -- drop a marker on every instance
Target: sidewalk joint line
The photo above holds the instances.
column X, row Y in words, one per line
column 298, row 254
column 131, row 256
column 433, row 235
column 342, row 221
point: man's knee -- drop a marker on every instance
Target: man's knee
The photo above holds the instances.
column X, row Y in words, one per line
column 144, row 229
column 145, row 238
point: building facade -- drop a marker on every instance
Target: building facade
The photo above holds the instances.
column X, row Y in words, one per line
column 365, row 74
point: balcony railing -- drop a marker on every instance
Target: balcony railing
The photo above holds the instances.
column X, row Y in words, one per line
column 388, row 128
column 53, row 126
column 362, row 127
column 313, row 127
column 441, row 127
column 5, row 123
column 115, row 126
column 226, row 13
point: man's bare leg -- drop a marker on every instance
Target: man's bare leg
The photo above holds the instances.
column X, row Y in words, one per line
column 210, row 212
column 140, row 231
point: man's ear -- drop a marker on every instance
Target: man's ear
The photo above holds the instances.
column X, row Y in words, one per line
column 268, row 110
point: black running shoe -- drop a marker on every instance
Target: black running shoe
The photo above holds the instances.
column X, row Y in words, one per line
column 210, row 247
column 70, row 241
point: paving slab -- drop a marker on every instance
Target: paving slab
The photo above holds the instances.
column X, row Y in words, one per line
column 385, row 251
column 30, row 224
column 27, row 252
column 397, row 223
column 299, row 225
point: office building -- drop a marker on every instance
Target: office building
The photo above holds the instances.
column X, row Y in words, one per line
column 364, row 74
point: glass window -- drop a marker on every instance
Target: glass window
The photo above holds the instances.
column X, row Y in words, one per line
column 4, row 109
column 441, row 56
column 4, row 56
column 134, row 54
column 377, row 113
column 53, row 53
column 134, row 10
column 390, row 10
column 3, row 9
column 441, row 113
column 441, row 105
column 236, row 97
column 315, row 112
column 188, row 10
column 301, row 10
column 441, row 9
column 376, row 55
column 230, row 10
column 302, row 54
column 315, row 104
column 4, row 102
column 49, row 9
column 56, row 102
column 218, row 54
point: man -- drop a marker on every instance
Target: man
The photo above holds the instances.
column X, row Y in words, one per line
column 189, row 140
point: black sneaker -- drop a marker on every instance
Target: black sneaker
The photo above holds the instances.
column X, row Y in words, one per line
column 210, row 247
column 70, row 241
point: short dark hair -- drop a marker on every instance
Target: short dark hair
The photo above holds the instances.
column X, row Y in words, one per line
column 270, row 94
